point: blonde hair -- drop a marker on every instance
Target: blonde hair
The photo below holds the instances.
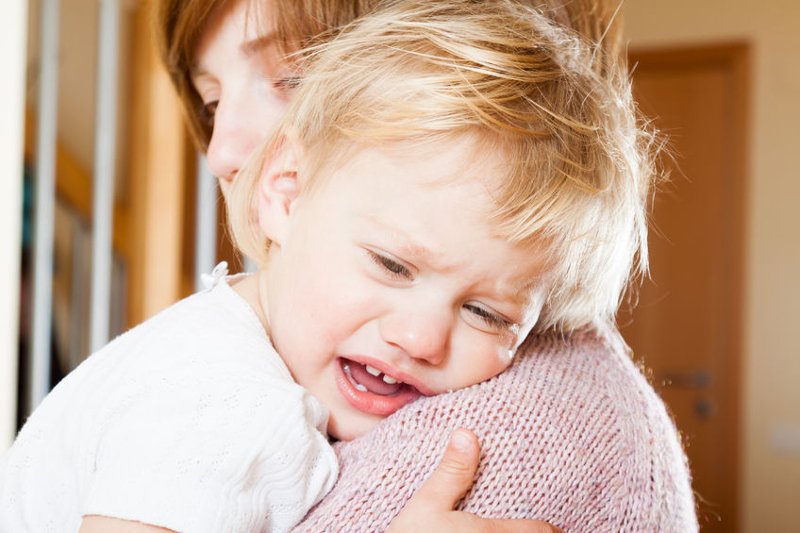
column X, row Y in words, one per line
column 579, row 163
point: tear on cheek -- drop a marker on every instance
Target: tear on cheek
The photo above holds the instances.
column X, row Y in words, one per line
column 509, row 342
column 517, row 333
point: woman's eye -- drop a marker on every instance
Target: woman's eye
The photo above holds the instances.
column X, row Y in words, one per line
column 391, row 266
column 288, row 83
column 495, row 322
column 208, row 111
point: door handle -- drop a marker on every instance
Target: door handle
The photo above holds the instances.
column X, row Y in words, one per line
column 699, row 379
column 705, row 408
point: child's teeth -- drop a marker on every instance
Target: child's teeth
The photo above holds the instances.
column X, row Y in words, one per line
column 372, row 370
column 361, row 387
column 388, row 379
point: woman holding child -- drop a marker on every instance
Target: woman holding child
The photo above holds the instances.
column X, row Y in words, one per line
column 531, row 405
column 435, row 271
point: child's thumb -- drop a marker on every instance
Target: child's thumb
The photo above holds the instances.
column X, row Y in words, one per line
column 455, row 473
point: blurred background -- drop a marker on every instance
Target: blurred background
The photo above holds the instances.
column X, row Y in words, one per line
column 109, row 215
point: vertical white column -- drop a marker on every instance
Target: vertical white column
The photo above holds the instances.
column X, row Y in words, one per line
column 205, row 254
column 13, row 30
column 104, row 171
column 44, row 205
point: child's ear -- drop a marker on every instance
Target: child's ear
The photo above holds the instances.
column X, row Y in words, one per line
column 278, row 189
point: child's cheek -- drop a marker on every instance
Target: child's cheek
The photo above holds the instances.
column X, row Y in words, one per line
column 481, row 358
column 341, row 300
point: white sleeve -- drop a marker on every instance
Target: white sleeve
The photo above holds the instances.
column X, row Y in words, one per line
column 213, row 450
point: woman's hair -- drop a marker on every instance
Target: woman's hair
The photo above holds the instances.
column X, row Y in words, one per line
column 296, row 24
column 578, row 162
column 179, row 25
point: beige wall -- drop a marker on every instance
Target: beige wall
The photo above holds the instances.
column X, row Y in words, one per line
column 771, row 366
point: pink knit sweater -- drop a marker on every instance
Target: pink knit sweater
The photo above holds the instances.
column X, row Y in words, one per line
column 572, row 434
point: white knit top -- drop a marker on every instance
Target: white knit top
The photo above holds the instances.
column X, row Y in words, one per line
column 190, row 421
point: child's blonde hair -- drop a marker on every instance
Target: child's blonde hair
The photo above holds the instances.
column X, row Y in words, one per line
column 579, row 165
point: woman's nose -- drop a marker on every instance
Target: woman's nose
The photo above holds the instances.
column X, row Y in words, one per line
column 232, row 140
column 421, row 334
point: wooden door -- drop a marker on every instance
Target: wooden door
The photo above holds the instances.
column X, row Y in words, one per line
column 687, row 327
column 159, row 173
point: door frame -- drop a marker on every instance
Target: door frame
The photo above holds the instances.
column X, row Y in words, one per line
column 735, row 57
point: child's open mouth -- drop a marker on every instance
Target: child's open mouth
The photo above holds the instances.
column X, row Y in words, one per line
column 368, row 389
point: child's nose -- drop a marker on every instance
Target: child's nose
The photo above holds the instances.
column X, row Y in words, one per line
column 420, row 334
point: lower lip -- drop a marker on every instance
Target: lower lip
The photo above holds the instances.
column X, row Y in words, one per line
column 369, row 402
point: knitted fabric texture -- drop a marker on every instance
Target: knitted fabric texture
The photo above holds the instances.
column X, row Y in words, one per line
column 190, row 421
column 572, row 434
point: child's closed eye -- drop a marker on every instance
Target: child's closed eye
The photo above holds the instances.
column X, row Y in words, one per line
column 487, row 318
column 393, row 268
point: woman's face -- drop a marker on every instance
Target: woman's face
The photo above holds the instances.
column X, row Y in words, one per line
column 241, row 78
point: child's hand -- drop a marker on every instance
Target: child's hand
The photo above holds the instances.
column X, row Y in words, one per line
column 431, row 507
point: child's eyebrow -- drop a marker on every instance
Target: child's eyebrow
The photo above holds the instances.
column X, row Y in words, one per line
column 404, row 243
column 526, row 294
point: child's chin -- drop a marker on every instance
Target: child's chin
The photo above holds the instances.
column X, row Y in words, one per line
column 346, row 428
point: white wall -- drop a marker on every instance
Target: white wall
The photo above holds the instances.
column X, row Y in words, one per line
column 13, row 26
column 771, row 366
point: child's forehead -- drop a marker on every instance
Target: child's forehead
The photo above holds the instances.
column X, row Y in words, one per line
column 441, row 160
column 436, row 165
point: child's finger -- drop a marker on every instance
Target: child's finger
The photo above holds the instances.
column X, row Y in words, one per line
column 455, row 473
column 431, row 507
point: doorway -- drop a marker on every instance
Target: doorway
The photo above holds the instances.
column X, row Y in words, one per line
column 687, row 327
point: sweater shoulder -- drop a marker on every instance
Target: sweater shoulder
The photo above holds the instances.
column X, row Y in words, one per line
column 572, row 434
column 614, row 433
column 597, row 371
